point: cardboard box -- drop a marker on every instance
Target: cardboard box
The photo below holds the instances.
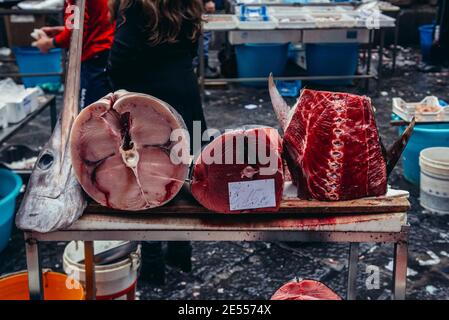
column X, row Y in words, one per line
column 19, row 28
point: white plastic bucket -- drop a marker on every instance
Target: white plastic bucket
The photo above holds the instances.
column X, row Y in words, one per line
column 115, row 281
column 434, row 163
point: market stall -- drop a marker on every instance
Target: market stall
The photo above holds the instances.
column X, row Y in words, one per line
column 269, row 22
column 55, row 208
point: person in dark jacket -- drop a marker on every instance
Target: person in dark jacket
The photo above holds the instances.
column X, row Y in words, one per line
column 441, row 55
column 153, row 49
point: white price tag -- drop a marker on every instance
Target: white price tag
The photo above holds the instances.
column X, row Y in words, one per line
column 252, row 194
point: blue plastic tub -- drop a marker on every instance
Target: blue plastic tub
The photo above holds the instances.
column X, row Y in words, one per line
column 332, row 59
column 259, row 60
column 424, row 136
column 31, row 60
column 426, row 36
column 10, row 184
column 289, row 88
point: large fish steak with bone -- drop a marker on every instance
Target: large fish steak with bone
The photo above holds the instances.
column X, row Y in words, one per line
column 124, row 154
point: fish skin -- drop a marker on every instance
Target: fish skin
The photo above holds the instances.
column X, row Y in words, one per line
column 281, row 108
column 395, row 151
column 53, row 199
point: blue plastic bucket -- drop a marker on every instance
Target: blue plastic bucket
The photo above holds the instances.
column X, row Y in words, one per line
column 424, row 136
column 10, row 185
column 31, row 60
column 426, row 36
column 332, row 59
column 259, row 60
column 289, row 88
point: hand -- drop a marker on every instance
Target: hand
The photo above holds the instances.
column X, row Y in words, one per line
column 44, row 44
column 210, row 7
column 52, row 31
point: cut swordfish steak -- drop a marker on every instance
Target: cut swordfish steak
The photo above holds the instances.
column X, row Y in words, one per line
column 332, row 145
column 121, row 150
column 240, row 171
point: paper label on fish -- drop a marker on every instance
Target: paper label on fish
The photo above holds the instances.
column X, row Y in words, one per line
column 252, row 194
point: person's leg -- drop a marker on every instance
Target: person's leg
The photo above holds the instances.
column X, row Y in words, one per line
column 153, row 263
column 179, row 255
column 95, row 83
column 444, row 30
column 210, row 72
column 84, row 80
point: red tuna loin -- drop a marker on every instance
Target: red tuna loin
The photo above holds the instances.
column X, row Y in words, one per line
column 305, row 290
column 210, row 181
column 332, row 147
column 121, row 151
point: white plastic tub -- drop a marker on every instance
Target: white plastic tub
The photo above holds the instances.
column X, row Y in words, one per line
column 3, row 116
column 434, row 163
column 115, row 281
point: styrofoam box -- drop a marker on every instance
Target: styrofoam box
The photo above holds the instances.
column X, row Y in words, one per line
column 3, row 115
column 22, row 106
column 271, row 24
column 274, row 36
column 220, row 22
column 287, row 21
column 336, row 36
column 407, row 110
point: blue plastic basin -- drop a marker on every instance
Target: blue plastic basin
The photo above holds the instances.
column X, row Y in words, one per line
column 332, row 59
column 31, row 60
column 259, row 60
column 289, row 88
column 10, row 184
column 424, row 136
column 426, row 37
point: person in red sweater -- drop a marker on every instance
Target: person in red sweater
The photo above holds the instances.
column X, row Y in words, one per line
column 97, row 41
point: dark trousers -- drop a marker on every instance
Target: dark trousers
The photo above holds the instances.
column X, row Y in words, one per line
column 94, row 79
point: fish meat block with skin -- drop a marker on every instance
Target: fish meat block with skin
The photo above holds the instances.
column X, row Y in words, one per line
column 332, row 146
column 336, row 145
column 305, row 290
column 123, row 154
column 251, row 154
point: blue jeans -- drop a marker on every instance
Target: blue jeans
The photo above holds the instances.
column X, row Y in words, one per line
column 207, row 36
column 94, row 79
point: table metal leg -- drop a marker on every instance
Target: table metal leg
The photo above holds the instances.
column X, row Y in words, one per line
column 368, row 60
column 396, row 39
column 35, row 284
column 201, row 66
column 53, row 115
column 400, row 270
column 381, row 54
column 352, row 270
column 90, row 270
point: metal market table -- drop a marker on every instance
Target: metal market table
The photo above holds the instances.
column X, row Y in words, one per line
column 46, row 101
column 379, row 220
